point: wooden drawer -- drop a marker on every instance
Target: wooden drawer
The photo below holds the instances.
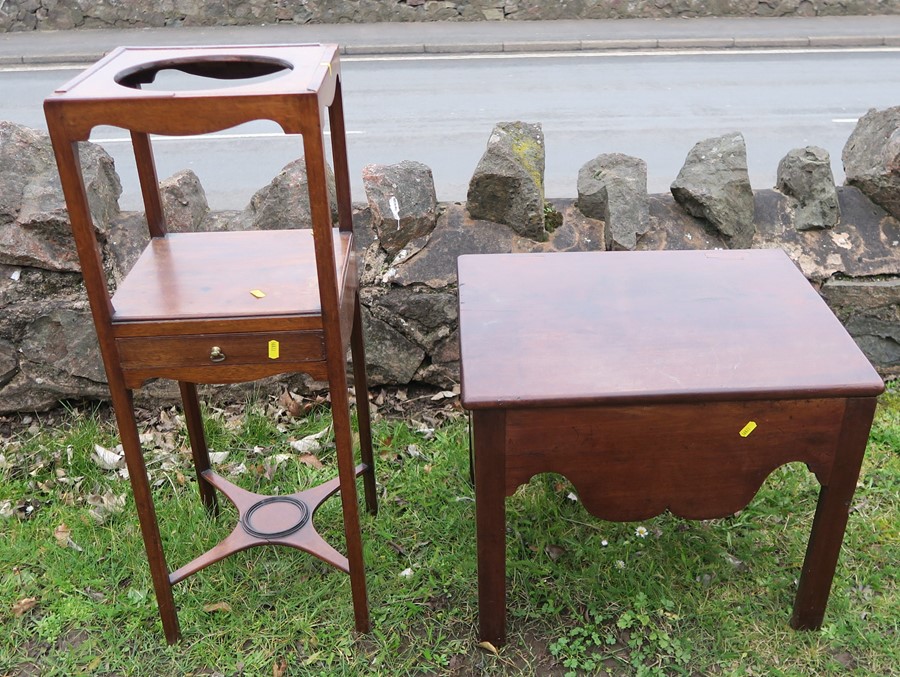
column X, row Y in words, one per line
column 221, row 350
column 698, row 460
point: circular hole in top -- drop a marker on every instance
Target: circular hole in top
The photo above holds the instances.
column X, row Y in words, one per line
column 202, row 73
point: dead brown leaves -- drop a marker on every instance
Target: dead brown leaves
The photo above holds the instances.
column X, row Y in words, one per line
column 63, row 536
column 422, row 406
column 23, row 606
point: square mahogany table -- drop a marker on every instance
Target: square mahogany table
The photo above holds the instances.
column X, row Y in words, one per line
column 653, row 381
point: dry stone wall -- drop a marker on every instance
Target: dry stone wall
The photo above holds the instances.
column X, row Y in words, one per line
column 26, row 15
column 408, row 246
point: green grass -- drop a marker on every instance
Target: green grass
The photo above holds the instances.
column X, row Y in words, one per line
column 711, row 597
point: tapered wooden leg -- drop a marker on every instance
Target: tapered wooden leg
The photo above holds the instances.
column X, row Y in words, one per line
column 197, row 437
column 357, row 349
column 340, row 412
column 831, row 516
column 140, row 486
column 490, row 519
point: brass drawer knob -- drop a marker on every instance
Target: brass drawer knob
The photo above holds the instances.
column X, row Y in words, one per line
column 216, row 354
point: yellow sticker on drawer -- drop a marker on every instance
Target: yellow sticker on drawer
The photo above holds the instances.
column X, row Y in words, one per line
column 257, row 293
column 274, row 349
column 747, row 429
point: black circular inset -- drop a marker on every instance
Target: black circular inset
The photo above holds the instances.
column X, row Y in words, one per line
column 246, row 519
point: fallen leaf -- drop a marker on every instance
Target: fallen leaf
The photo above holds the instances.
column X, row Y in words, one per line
column 487, row 646
column 443, row 395
column 270, row 465
column 735, row 562
column 63, row 537
column 169, row 420
column 216, row 606
column 397, row 548
column 24, row 605
column 279, row 667
column 238, row 469
column 414, row 451
column 292, row 406
column 26, row 508
column 311, row 460
column 218, row 456
column 105, row 505
column 308, row 445
column 311, row 443
column 62, row 534
column 705, row 580
column 846, row 659
column 107, row 459
column 554, row 552
column 95, row 595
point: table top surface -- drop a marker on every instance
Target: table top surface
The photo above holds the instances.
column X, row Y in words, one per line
column 232, row 274
column 296, row 68
column 613, row 327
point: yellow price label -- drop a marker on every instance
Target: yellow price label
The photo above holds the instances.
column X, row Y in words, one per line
column 747, row 429
column 274, row 349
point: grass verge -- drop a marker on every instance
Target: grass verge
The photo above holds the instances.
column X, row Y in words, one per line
column 666, row 596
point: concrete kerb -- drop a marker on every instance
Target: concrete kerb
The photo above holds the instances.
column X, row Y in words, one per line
column 382, row 50
column 636, row 43
column 771, row 43
column 465, row 48
column 543, row 46
column 846, row 41
column 695, row 43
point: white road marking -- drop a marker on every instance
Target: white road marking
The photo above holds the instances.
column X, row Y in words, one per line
column 618, row 53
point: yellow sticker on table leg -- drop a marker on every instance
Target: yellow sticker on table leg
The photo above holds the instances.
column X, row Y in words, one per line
column 747, row 429
column 273, row 350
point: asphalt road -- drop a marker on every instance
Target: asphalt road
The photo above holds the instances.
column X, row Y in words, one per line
column 440, row 111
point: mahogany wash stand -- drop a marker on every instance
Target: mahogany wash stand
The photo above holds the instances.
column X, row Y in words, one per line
column 655, row 381
column 227, row 307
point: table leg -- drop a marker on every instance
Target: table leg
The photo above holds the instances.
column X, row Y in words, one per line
column 123, row 405
column 199, row 450
column 363, row 418
column 831, row 516
column 489, row 430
